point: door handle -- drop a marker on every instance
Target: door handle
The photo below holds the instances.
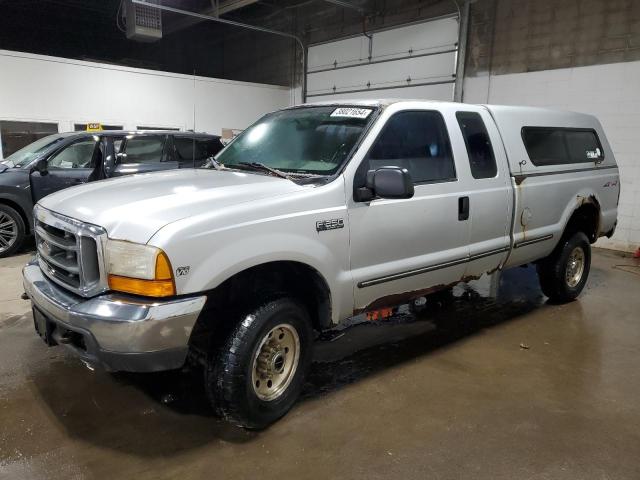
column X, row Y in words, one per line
column 463, row 208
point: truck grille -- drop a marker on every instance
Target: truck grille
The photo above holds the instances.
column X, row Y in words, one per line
column 70, row 252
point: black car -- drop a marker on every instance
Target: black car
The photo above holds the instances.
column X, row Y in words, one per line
column 66, row 159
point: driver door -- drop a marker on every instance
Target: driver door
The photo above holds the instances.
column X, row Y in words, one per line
column 402, row 248
column 68, row 167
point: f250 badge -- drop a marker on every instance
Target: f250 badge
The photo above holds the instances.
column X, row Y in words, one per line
column 182, row 271
column 331, row 224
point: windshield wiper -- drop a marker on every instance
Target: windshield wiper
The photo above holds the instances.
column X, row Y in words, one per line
column 264, row 168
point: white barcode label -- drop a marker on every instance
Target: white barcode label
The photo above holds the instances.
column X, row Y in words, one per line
column 351, row 112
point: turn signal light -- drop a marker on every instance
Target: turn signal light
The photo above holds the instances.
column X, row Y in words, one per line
column 162, row 285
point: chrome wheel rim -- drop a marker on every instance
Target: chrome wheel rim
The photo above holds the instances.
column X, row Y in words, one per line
column 575, row 267
column 8, row 232
column 275, row 362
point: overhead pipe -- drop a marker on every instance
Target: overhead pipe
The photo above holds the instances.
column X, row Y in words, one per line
column 344, row 4
column 463, row 34
column 369, row 36
column 240, row 25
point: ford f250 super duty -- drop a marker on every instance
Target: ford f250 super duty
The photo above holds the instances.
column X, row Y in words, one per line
column 311, row 216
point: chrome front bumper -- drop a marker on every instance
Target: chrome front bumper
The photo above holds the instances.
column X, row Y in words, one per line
column 117, row 332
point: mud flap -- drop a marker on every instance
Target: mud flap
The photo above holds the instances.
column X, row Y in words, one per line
column 494, row 285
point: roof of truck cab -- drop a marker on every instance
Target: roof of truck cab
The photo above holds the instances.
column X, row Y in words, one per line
column 502, row 109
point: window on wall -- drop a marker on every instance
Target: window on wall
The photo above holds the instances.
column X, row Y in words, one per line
column 15, row 135
column 479, row 149
column 81, row 127
column 417, row 141
column 558, row 146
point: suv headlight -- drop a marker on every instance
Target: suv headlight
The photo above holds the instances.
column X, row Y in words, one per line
column 139, row 269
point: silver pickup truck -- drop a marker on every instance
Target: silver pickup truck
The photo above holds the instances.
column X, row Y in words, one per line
column 313, row 215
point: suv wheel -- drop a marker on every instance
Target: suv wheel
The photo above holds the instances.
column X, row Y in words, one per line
column 12, row 231
column 564, row 273
column 259, row 371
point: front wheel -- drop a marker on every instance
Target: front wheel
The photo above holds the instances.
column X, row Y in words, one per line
column 564, row 273
column 259, row 371
column 12, row 231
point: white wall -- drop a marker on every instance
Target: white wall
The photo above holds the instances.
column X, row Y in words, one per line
column 423, row 52
column 612, row 93
column 63, row 91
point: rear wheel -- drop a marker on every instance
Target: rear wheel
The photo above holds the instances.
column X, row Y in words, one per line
column 564, row 273
column 259, row 371
column 12, row 231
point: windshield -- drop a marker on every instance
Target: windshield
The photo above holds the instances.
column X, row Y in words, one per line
column 308, row 140
column 25, row 155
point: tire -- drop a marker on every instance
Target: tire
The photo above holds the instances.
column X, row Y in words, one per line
column 12, row 231
column 258, row 372
column 564, row 273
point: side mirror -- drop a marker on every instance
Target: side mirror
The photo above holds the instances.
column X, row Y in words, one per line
column 41, row 167
column 390, row 182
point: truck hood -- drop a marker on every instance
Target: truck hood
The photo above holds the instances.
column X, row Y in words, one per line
column 135, row 207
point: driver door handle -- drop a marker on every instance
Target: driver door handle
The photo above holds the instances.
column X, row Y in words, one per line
column 463, row 208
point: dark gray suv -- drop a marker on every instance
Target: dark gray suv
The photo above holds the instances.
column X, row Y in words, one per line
column 66, row 159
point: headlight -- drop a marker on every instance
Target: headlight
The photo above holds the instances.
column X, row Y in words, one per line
column 139, row 269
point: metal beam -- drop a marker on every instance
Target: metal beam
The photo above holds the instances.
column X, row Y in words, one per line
column 231, row 5
column 239, row 25
column 345, row 4
column 216, row 9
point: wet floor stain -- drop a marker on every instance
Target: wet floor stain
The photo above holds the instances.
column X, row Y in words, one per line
column 448, row 392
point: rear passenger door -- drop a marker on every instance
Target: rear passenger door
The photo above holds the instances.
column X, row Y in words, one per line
column 143, row 153
column 400, row 247
column 489, row 192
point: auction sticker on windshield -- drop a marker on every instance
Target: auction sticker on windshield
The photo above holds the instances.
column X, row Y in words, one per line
column 351, row 112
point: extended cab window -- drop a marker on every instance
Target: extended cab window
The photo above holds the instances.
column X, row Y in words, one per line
column 558, row 146
column 417, row 141
column 479, row 149
column 195, row 151
column 145, row 149
column 76, row 155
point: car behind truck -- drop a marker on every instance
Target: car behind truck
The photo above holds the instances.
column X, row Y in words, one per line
column 313, row 215
column 65, row 159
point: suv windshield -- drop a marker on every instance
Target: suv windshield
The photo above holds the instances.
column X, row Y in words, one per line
column 25, row 155
column 307, row 140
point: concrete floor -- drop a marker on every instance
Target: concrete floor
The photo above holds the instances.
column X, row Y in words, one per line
column 515, row 389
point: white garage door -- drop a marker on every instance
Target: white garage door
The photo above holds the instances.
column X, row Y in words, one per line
column 414, row 61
